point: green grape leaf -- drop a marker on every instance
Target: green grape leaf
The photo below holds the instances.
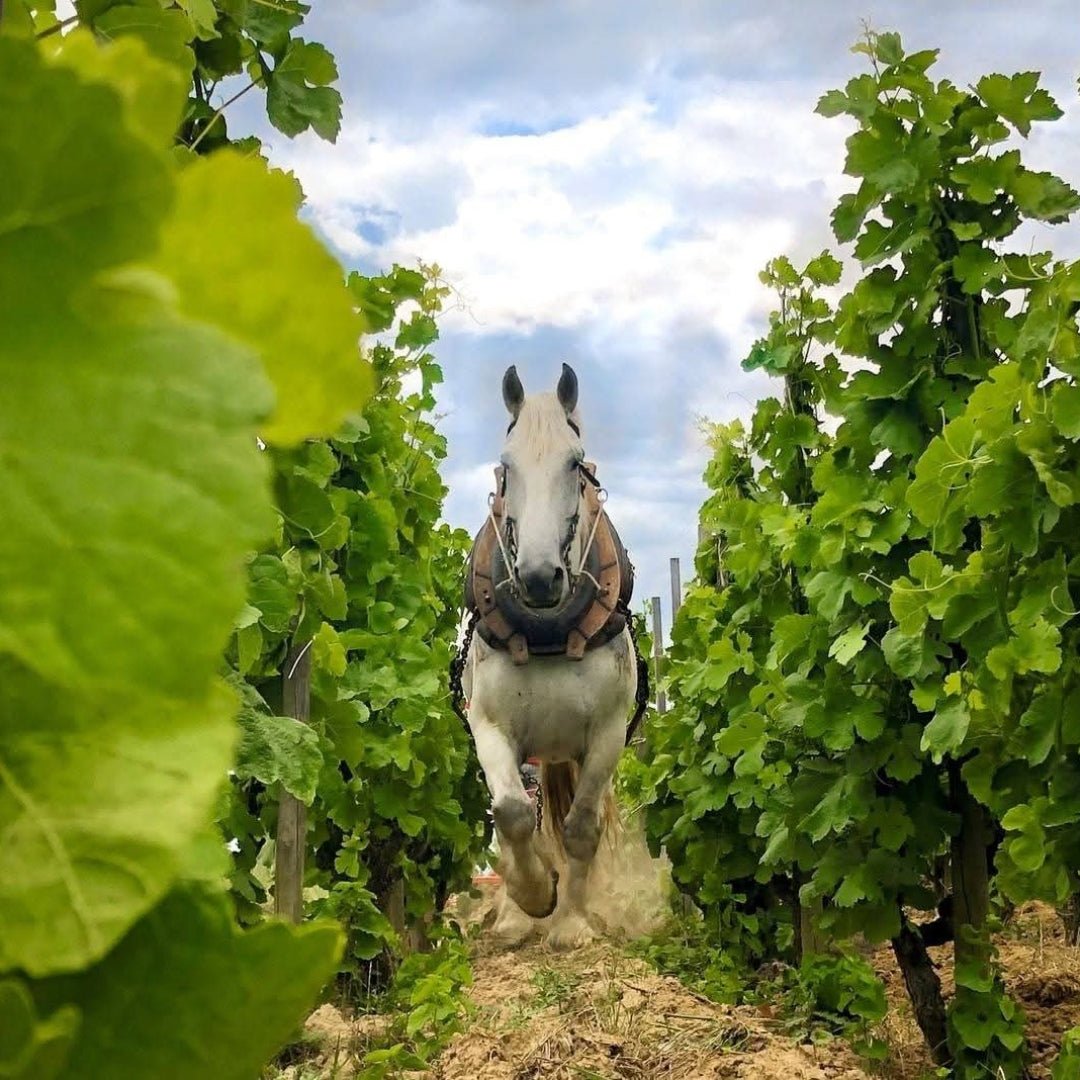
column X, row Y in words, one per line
column 941, row 478
column 72, row 205
column 828, row 589
column 20, row 20
column 832, row 813
column 790, row 634
column 974, row 266
column 132, row 488
column 295, row 305
column 1043, row 196
column 196, row 996
column 271, row 593
column 203, row 16
column 120, row 563
column 328, row 652
column 270, row 23
column 279, row 749
column 879, row 156
column 851, row 211
column 965, row 230
column 33, row 1048
column 1018, row 99
column 249, row 647
column 723, row 661
column 973, row 1020
column 1065, row 402
column 946, row 731
column 832, row 103
column 825, row 269
column 985, row 178
column 849, row 644
column 99, row 794
column 1027, row 850
column 745, row 735
column 888, row 48
column 163, row 491
column 912, row 602
column 904, row 653
column 1030, row 648
column 298, row 97
column 166, row 32
column 1067, row 1065
column 1040, row 725
column 154, row 92
column 328, row 591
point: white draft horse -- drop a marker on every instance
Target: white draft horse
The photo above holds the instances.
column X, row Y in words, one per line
column 568, row 711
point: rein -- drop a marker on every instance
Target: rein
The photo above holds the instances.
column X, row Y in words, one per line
column 509, row 582
column 588, row 476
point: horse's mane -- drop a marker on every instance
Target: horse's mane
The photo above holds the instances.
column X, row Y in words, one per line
column 541, row 426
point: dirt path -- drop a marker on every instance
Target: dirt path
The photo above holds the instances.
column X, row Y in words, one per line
column 598, row 1013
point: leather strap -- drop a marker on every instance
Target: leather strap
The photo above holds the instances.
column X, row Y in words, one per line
column 600, row 621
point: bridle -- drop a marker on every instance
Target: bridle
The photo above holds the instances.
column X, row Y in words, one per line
column 507, row 538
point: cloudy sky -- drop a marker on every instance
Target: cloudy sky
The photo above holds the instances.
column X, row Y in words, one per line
column 600, row 181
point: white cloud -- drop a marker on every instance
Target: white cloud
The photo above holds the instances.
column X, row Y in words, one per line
column 635, row 230
column 625, row 222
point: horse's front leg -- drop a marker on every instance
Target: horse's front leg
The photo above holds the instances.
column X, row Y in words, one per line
column 581, row 835
column 530, row 882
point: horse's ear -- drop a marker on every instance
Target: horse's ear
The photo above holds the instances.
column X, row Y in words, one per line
column 513, row 391
column 567, row 389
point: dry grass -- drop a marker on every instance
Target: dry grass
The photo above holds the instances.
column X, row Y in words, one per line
column 333, row 1045
column 598, row 1014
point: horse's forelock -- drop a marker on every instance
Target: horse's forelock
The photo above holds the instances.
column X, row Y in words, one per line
column 541, row 427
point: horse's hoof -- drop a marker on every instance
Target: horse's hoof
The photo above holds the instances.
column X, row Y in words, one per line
column 512, row 927
column 570, row 932
column 523, row 902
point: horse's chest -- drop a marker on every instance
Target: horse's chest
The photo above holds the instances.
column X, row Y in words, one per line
column 554, row 708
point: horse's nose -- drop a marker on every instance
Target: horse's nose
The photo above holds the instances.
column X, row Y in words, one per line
column 541, row 583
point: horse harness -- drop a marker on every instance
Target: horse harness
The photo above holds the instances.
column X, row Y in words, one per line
column 596, row 610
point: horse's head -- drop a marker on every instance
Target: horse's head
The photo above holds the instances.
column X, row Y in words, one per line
column 541, row 458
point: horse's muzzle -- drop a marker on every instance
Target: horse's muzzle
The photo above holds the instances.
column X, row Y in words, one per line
column 542, row 586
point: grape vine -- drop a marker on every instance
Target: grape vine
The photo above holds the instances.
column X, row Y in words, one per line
column 188, row 423
column 876, row 668
column 138, row 377
column 363, row 571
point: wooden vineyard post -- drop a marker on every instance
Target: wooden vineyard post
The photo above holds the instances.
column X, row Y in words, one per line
column 658, row 653
column 658, row 650
column 292, row 813
column 676, row 589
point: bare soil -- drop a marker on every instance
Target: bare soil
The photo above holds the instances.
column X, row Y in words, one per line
column 1041, row 972
column 596, row 1013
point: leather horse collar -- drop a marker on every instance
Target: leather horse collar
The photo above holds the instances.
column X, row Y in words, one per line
column 595, row 609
